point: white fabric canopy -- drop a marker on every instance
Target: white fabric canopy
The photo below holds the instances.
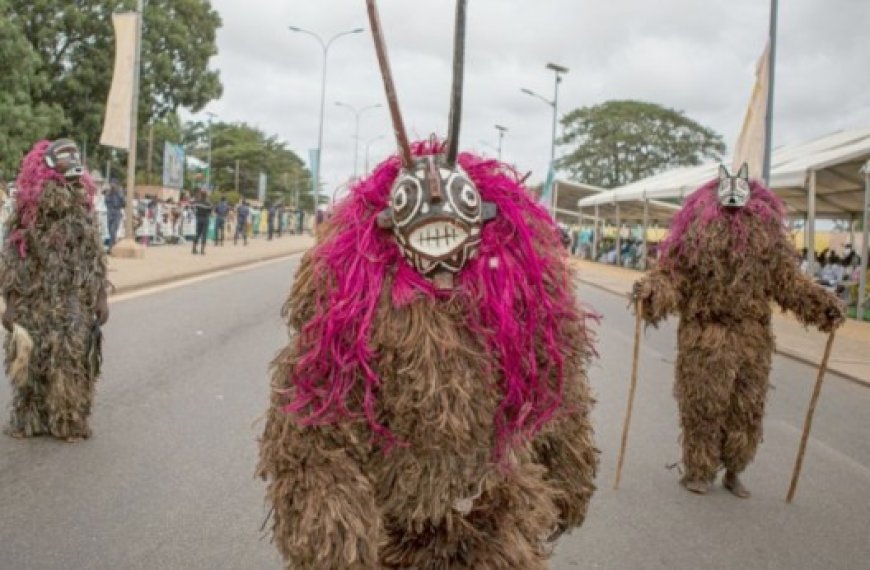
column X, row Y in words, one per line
column 835, row 158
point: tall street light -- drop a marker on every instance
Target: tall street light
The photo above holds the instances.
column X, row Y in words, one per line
column 558, row 70
column 208, row 159
column 369, row 144
column 325, row 47
column 501, row 131
column 357, row 113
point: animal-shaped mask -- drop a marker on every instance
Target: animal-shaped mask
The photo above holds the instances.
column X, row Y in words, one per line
column 733, row 191
column 435, row 212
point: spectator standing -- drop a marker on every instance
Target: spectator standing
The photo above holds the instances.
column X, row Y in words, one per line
column 270, row 219
column 115, row 204
column 242, row 213
column 221, row 211
column 202, row 210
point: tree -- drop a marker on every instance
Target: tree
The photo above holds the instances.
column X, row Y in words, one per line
column 75, row 45
column 618, row 142
column 254, row 152
column 21, row 121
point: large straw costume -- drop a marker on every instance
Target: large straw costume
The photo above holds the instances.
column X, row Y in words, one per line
column 726, row 258
column 430, row 414
column 53, row 282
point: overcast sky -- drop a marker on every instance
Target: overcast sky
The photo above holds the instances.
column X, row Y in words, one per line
column 697, row 56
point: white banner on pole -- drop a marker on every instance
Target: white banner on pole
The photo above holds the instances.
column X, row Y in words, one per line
column 116, row 125
column 750, row 144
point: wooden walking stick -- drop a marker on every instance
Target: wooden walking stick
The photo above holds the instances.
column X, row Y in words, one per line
column 808, row 422
column 638, row 307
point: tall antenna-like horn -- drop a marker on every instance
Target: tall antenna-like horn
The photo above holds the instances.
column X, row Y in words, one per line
column 456, row 92
column 389, row 87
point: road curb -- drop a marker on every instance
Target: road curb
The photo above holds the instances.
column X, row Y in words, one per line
column 786, row 353
column 200, row 272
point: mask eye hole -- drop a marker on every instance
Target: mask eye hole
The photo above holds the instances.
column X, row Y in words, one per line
column 742, row 186
column 464, row 197
column 405, row 200
column 469, row 196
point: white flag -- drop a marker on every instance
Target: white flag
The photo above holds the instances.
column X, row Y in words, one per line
column 751, row 143
column 116, row 125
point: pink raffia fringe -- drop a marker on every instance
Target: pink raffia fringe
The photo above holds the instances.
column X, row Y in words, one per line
column 516, row 289
column 30, row 184
column 702, row 208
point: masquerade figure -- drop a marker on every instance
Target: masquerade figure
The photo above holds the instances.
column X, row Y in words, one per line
column 727, row 256
column 53, row 281
column 431, row 410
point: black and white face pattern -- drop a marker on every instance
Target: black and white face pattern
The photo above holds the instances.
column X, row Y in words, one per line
column 437, row 215
column 63, row 156
column 734, row 190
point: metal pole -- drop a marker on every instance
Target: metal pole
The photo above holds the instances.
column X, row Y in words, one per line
column 150, row 151
column 771, row 68
column 618, row 237
column 811, row 223
column 644, row 262
column 501, row 132
column 595, row 235
column 320, row 130
column 134, row 118
column 237, row 176
column 865, row 250
column 208, row 159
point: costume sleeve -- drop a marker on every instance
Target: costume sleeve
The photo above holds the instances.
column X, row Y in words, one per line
column 796, row 292
column 323, row 507
column 659, row 291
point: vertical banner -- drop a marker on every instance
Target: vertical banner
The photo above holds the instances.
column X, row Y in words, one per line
column 173, row 165
column 119, row 106
column 751, row 142
column 546, row 199
column 261, row 188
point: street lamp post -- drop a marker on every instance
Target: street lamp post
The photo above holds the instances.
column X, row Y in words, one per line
column 501, row 131
column 357, row 113
column 325, row 47
column 369, row 144
column 208, row 157
column 558, row 70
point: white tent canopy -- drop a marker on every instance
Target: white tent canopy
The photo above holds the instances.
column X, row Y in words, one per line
column 828, row 167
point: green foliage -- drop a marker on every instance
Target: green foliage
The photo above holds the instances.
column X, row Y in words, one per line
column 22, row 121
column 619, row 142
column 255, row 152
column 74, row 46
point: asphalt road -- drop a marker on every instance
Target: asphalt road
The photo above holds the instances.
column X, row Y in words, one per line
column 167, row 480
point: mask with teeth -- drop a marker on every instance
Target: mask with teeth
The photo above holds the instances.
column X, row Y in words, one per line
column 436, row 215
column 64, row 158
column 435, row 210
column 734, row 190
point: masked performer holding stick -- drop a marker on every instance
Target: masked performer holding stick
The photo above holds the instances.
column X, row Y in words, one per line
column 431, row 410
column 726, row 258
column 54, row 284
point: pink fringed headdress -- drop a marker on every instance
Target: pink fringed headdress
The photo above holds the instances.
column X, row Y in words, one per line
column 702, row 208
column 31, row 181
column 518, row 299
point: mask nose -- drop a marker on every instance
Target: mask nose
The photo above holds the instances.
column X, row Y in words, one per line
column 436, row 194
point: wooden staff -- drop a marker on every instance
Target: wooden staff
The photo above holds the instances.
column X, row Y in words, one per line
column 638, row 308
column 808, row 422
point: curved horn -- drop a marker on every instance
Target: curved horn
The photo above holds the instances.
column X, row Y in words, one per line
column 389, row 87
column 456, row 92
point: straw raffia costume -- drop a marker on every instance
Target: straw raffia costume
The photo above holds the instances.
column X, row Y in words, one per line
column 53, row 282
column 727, row 257
column 431, row 410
